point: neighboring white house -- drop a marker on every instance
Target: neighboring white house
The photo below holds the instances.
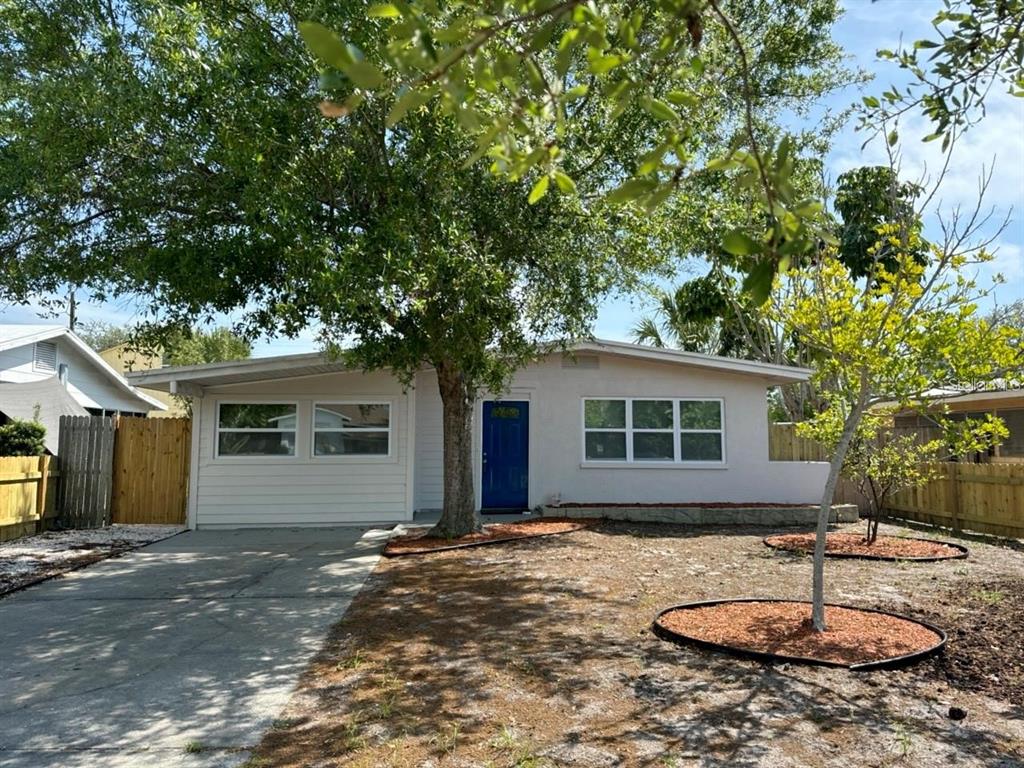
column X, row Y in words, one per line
column 300, row 440
column 50, row 367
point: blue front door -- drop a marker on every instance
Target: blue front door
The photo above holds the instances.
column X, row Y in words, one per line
column 506, row 448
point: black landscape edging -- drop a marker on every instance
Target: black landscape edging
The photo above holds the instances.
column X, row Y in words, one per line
column 963, row 552
column 896, row 661
column 469, row 544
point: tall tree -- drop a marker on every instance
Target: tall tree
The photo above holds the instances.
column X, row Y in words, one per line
column 196, row 346
column 179, row 156
column 194, row 168
column 868, row 198
column 101, row 335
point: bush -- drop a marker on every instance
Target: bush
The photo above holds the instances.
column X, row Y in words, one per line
column 21, row 437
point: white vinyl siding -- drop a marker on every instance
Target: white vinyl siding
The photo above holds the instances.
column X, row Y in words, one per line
column 429, row 468
column 87, row 384
column 239, row 491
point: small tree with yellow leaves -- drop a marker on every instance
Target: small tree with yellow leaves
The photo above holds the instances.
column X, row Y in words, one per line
column 891, row 337
column 883, row 460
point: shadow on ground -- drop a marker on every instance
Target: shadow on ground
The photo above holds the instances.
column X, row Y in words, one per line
column 541, row 651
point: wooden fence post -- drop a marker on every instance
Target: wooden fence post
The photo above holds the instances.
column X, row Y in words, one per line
column 41, row 490
column 955, row 466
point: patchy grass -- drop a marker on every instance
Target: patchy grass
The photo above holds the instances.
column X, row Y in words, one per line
column 539, row 653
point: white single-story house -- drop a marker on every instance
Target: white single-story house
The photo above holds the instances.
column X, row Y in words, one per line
column 50, row 367
column 301, row 440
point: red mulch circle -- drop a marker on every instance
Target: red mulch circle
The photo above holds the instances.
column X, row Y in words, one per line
column 782, row 630
column 883, row 548
column 495, row 533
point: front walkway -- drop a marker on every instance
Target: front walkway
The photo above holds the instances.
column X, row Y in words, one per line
column 198, row 638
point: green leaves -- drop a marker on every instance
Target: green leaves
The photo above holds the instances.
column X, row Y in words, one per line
column 383, row 11
column 405, row 103
column 758, row 281
column 661, row 110
column 325, row 45
column 539, row 190
column 329, row 48
column 740, row 244
column 565, row 184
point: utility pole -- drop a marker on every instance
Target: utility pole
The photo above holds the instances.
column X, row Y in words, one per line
column 71, row 310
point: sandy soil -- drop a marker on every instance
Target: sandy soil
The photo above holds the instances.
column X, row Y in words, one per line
column 30, row 559
column 539, row 653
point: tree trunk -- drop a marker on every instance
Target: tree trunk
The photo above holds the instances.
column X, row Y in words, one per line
column 835, row 467
column 875, row 513
column 458, row 512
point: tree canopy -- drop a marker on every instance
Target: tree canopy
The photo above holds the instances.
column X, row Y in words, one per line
column 889, row 339
column 179, row 156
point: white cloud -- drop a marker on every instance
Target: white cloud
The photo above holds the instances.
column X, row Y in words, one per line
column 1008, row 262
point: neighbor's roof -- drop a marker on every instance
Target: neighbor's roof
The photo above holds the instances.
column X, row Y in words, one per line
column 999, row 392
column 313, row 363
column 19, row 401
column 13, row 336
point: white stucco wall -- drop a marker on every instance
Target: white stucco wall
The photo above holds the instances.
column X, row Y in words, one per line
column 303, row 489
column 556, row 465
column 90, row 387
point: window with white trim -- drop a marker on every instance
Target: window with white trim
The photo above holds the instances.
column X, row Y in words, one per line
column 701, row 431
column 653, row 430
column 256, row 429
column 351, row 429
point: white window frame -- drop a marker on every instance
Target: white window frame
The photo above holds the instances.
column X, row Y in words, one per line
column 676, row 432
column 680, row 431
column 353, row 457
column 255, row 457
column 625, row 430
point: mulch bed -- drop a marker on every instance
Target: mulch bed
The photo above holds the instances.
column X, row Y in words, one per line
column 883, row 548
column 783, row 629
column 495, row 533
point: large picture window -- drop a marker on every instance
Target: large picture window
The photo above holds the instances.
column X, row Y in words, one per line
column 635, row 430
column 256, row 429
column 352, row 429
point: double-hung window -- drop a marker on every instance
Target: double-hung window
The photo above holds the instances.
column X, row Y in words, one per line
column 664, row 430
column 256, row 429
column 352, row 429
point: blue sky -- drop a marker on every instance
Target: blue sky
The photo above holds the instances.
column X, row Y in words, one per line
column 997, row 142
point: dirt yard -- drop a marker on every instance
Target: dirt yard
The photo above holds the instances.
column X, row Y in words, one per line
column 32, row 559
column 539, row 653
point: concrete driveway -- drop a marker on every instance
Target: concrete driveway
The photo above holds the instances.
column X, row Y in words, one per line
column 197, row 638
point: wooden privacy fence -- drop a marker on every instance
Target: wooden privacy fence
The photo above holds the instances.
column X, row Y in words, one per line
column 86, row 451
column 988, row 498
column 151, row 462
column 785, row 445
column 123, row 470
column 27, row 494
